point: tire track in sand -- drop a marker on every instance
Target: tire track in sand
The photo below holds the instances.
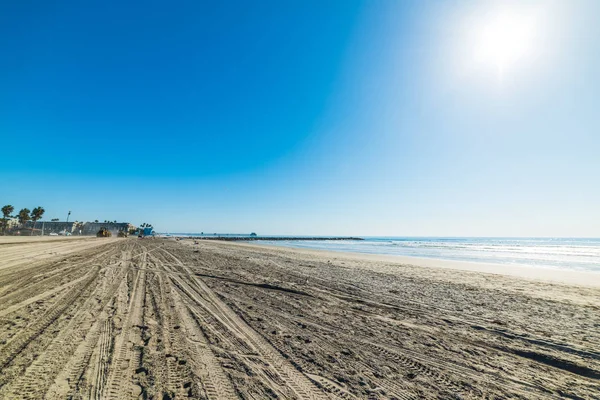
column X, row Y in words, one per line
column 300, row 385
column 34, row 382
column 19, row 342
column 192, row 343
column 126, row 357
column 204, row 364
column 71, row 380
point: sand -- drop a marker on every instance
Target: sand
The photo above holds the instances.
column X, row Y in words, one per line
column 572, row 277
column 160, row 319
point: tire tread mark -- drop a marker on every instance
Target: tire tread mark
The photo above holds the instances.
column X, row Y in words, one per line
column 298, row 382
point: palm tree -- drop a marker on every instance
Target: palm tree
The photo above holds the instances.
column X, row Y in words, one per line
column 6, row 211
column 36, row 214
column 23, row 216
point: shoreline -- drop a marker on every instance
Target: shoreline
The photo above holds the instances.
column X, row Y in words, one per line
column 336, row 325
column 579, row 278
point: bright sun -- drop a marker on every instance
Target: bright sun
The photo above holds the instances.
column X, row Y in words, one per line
column 503, row 39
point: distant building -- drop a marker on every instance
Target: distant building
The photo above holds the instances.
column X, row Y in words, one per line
column 12, row 223
column 51, row 227
column 78, row 228
column 147, row 231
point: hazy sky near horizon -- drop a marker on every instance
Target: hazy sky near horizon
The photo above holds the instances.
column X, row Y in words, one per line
column 457, row 118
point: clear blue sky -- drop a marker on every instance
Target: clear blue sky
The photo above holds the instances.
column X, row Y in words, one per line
column 305, row 117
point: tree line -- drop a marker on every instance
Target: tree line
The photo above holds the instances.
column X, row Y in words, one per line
column 22, row 216
column 25, row 215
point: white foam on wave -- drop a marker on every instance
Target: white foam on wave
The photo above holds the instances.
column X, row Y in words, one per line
column 555, row 253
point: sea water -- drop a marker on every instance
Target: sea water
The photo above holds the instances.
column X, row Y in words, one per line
column 557, row 253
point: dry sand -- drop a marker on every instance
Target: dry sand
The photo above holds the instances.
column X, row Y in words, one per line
column 159, row 319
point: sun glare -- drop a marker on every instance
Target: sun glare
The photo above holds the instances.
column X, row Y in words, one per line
column 503, row 39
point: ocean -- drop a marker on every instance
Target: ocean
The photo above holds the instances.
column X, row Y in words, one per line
column 556, row 253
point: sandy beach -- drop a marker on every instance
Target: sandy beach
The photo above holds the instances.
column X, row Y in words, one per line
column 164, row 319
column 573, row 277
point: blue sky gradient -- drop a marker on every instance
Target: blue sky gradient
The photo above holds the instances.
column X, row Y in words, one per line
column 336, row 117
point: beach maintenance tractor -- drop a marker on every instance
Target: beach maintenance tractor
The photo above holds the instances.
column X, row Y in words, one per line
column 103, row 232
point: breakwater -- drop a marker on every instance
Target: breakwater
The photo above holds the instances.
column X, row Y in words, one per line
column 270, row 238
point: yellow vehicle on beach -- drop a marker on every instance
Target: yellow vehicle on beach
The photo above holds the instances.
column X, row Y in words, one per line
column 103, row 232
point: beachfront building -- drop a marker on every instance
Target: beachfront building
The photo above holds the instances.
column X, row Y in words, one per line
column 77, row 228
column 48, row 227
column 12, row 223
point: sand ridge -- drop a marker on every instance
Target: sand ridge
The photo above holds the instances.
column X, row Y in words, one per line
column 160, row 319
